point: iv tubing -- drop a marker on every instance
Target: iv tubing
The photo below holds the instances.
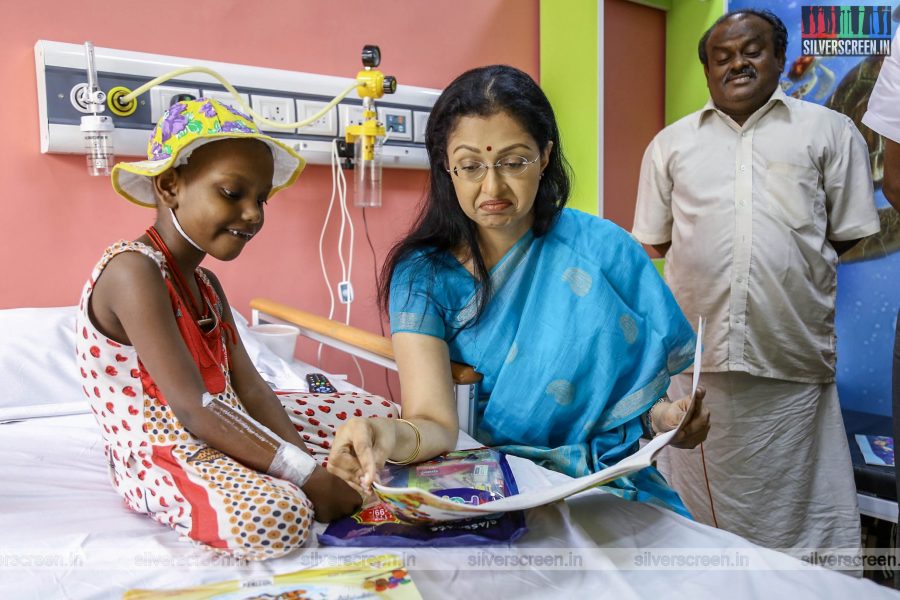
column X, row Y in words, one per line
column 124, row 100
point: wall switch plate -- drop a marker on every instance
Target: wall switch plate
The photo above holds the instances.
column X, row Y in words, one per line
column 397, row 122
column 324, row 125
column 161, row 98
column 274, row 108
column 420, row 121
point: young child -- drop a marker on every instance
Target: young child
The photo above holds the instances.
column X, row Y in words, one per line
column 195, row 438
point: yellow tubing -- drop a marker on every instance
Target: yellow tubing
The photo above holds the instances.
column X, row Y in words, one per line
column 130, row 98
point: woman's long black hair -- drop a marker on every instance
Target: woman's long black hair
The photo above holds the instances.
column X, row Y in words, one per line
column 441, row 225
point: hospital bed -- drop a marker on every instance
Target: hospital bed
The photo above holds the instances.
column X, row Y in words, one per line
column 65, row 533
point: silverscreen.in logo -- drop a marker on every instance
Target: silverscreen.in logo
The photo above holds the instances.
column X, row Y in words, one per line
column 837, row 30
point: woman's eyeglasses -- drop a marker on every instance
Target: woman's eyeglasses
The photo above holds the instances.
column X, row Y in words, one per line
column 474, row 170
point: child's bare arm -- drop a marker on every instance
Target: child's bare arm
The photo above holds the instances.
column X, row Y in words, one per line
column 254, row 393
column 131, row 304
column 331, row 495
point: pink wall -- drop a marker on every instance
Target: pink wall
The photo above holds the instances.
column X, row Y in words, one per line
column 58, row 220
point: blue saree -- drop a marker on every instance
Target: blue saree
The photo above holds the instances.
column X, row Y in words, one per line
column 579, row 338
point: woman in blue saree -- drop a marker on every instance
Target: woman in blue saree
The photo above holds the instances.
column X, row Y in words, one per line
column 563, row 314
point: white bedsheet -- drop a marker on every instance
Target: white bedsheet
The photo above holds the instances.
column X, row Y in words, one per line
column 57, row 507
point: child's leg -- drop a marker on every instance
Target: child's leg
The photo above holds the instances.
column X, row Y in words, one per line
column 317, row 416
column 216, row 501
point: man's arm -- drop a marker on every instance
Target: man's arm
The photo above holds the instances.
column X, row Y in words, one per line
column 661, row 249
column 653, row 211
column 841, row 247
column 848, row 186
column 891, row 183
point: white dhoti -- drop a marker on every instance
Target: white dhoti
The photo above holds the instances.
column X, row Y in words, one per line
column 777, row 460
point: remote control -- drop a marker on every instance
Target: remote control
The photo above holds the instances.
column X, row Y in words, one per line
column 319, row 384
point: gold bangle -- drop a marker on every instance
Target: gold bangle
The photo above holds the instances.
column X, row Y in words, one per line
column 415, row 453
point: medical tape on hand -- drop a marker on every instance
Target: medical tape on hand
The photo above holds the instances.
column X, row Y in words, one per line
column 290, row 462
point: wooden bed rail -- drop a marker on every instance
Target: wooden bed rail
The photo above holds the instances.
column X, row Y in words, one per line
column 347, row 334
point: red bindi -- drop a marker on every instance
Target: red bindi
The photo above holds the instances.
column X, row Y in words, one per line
column 488, row 148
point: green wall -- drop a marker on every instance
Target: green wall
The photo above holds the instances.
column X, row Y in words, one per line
column 685, row 83
column 569, row 44
column 569, row 77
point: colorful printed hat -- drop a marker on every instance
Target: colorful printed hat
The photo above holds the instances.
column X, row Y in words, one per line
column 186, row 126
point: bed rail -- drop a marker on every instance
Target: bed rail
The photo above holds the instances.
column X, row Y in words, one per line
column 367, row 346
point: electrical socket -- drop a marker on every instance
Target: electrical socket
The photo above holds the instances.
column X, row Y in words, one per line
column 351, row 114
column 226, row 98
column 280, row 110
column 161, row 97
column 420, row 121
column 324, row 125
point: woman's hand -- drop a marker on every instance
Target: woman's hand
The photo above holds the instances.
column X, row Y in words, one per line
column 668, row 415
column 360, row 448
column 332, row 498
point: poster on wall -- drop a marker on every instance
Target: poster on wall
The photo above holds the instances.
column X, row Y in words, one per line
column 834, row 55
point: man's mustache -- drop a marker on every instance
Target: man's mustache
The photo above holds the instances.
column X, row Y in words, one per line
column 748, row 70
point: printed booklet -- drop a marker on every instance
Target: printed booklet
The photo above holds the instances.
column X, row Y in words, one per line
column 381, row 577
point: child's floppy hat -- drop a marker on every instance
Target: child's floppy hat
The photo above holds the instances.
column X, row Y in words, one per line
column 186, row 126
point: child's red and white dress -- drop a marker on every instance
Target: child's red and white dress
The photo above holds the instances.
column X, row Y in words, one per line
column 162, row 470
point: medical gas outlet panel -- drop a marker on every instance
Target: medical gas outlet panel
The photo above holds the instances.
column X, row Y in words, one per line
column 278, row 95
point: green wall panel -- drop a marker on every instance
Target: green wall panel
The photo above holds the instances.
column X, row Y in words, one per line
column 569, row 77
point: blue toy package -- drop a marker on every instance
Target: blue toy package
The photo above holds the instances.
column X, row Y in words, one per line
column 465, row 476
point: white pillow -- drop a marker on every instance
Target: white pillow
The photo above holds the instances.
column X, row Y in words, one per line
column 37, row 363
column 39, row 376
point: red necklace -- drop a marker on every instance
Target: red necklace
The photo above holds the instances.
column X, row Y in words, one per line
column 203, row 317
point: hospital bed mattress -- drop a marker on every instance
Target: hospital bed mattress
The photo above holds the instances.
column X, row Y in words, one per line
column 67, row 534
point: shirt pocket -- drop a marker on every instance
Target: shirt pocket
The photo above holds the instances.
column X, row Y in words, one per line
column 791, row 193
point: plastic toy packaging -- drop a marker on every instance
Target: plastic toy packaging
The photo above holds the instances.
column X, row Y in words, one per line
column 463, row 476
column 482, row 469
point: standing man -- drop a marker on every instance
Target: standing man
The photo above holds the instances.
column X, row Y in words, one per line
column 751, row 200
column 883, row 117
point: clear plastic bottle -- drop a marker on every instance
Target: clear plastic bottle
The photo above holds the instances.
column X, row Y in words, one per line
column 367, row 176
column 98, row 144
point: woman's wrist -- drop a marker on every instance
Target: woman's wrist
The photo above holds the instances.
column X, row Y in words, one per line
column 656, row 414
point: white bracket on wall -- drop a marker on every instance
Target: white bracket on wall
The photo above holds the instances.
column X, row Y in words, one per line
column 60, row 67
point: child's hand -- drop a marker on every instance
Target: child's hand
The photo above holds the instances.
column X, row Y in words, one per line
column 331, row 496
